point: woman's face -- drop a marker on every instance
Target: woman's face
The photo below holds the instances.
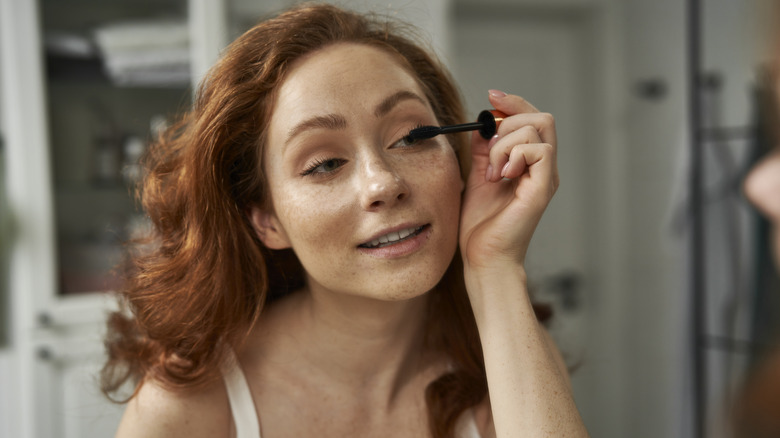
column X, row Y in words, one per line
column 762, row 187
column 366, row 213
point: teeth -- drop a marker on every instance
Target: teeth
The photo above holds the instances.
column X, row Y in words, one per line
column 393, row 237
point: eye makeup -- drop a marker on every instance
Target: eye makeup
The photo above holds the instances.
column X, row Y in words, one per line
column 487, row 124
column 323, row 166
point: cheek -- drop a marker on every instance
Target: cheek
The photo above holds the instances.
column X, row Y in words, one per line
column 310, row 215
column 442, row 174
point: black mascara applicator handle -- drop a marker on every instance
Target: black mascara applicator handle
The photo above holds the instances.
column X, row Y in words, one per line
column 487, row 124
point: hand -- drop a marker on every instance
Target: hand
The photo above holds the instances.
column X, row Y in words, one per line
column 513, row 177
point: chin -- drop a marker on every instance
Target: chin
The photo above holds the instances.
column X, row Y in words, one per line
column 411, row 285
column 405, row 294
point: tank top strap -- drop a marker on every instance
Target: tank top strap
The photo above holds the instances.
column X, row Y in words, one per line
column 466, row 426
column 242, row 406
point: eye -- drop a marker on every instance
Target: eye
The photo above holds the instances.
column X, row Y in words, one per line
column 404, row 141
column 324, row 166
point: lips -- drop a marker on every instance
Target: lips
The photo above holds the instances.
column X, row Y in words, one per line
column 393, row 237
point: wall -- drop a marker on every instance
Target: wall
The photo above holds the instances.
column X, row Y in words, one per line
column 656, row 146
column 4, row 323
column 6, row 357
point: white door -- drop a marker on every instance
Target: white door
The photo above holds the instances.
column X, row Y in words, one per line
column 548, row 58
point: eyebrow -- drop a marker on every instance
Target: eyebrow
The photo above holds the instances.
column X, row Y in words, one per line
column 330, row 121
column 391, row 101
column 337, row 121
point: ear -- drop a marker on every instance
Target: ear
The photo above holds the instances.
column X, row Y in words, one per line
column 268, row 229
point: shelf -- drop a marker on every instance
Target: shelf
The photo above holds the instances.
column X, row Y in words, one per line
column 84, row 15
column 87, row 70
column 124, row 43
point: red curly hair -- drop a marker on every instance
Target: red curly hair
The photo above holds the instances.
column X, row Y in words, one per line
column 199, row 283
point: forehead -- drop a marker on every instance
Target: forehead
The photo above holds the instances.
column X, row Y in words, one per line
column 345, row 76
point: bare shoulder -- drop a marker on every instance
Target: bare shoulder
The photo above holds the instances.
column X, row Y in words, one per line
column 158, row 412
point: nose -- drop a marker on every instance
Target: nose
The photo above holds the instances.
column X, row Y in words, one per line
column 381, row 185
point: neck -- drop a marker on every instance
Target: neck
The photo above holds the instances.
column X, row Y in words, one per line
column 367, row 347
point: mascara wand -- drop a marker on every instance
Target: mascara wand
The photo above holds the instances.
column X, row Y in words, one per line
column 487, row 124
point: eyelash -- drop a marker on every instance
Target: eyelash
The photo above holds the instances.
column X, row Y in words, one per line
column 403, row 138
column 317, row 163
column 312, row 169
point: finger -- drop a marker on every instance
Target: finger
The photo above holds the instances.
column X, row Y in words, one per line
column 536, row 159
column 533, row 167
column 502, row 149
column 544, row 123
column 509, row 103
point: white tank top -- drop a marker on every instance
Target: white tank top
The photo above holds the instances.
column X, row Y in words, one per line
column 247, row 424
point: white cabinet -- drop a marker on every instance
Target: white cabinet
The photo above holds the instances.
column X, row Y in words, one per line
column 81, row 94
column 70, row 403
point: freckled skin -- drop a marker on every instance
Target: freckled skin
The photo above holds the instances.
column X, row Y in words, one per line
column 324, row 217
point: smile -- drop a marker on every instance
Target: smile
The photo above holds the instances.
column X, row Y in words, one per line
column 393, row 237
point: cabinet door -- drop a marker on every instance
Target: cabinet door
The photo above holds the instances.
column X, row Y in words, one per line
column 113, row 73
column 78, row 113
column 67, row 371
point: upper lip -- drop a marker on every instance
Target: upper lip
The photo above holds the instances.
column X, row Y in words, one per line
column 392, row 230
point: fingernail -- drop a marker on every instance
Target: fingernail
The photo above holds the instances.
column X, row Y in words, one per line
column 492, row 141
column 503, row 171
column 489, row 173
column 497, row 93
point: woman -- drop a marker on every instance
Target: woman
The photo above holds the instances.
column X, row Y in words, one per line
column 392, row 273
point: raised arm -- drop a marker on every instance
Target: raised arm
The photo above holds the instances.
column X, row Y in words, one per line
column 512, row 180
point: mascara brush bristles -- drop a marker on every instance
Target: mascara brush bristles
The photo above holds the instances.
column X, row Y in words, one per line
column 422, row 133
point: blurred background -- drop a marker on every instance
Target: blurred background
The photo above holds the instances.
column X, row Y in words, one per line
column 663, row 295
